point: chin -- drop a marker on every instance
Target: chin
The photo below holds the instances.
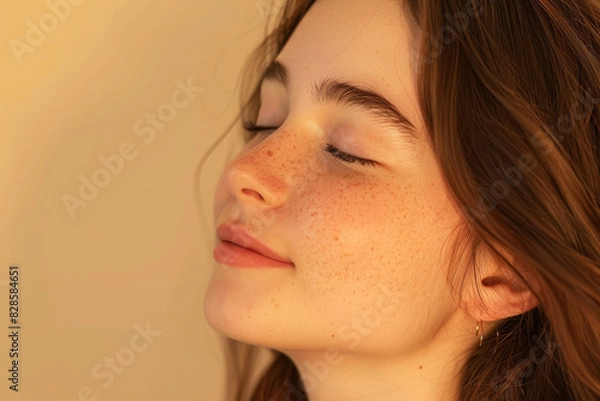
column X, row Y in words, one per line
column 232, row 311
column 221, row 310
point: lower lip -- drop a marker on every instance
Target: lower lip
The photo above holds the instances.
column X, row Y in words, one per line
column 236, row 256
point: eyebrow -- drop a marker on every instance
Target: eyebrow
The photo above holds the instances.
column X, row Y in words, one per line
column 348, row 95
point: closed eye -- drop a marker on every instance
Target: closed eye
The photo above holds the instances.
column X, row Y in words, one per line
column 251, row 127
column 335, row 152
column 348, row 158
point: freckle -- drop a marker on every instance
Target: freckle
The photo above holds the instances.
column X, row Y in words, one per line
column 420, row 367
column 332, row 335
column 336, row 238
column 269, row 153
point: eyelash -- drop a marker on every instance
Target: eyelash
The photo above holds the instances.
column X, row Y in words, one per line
column 335, row 152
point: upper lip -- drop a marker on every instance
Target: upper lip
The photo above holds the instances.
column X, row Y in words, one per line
column 240, row 236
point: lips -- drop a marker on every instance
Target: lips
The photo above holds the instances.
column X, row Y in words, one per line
column 241, row 249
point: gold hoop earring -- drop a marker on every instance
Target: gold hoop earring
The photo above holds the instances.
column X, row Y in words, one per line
column 479, row 332
column 497, row 341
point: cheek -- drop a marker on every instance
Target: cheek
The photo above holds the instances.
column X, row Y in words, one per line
column 357, row 235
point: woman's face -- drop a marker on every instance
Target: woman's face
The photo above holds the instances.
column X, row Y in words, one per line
column 366, row 241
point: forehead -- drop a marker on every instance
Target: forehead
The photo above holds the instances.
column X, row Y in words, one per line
column 365, row 42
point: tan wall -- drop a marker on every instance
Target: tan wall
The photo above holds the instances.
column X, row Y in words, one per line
column 139, row 252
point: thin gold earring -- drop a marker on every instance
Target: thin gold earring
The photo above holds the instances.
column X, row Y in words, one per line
column 478, row 329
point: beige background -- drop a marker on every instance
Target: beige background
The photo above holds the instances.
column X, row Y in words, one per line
column 140, row 252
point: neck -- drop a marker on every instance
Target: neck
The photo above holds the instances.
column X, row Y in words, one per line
column 357, row 379
column 430, row 373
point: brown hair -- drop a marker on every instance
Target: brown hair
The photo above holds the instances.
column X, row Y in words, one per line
column 510, row 94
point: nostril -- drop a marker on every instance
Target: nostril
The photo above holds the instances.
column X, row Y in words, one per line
column 253, row 193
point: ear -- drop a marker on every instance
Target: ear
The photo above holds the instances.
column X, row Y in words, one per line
column 496, row 292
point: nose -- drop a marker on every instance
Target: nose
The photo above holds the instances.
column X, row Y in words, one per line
column 260, row 176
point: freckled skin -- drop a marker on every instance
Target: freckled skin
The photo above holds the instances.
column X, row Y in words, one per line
column 355, row 233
